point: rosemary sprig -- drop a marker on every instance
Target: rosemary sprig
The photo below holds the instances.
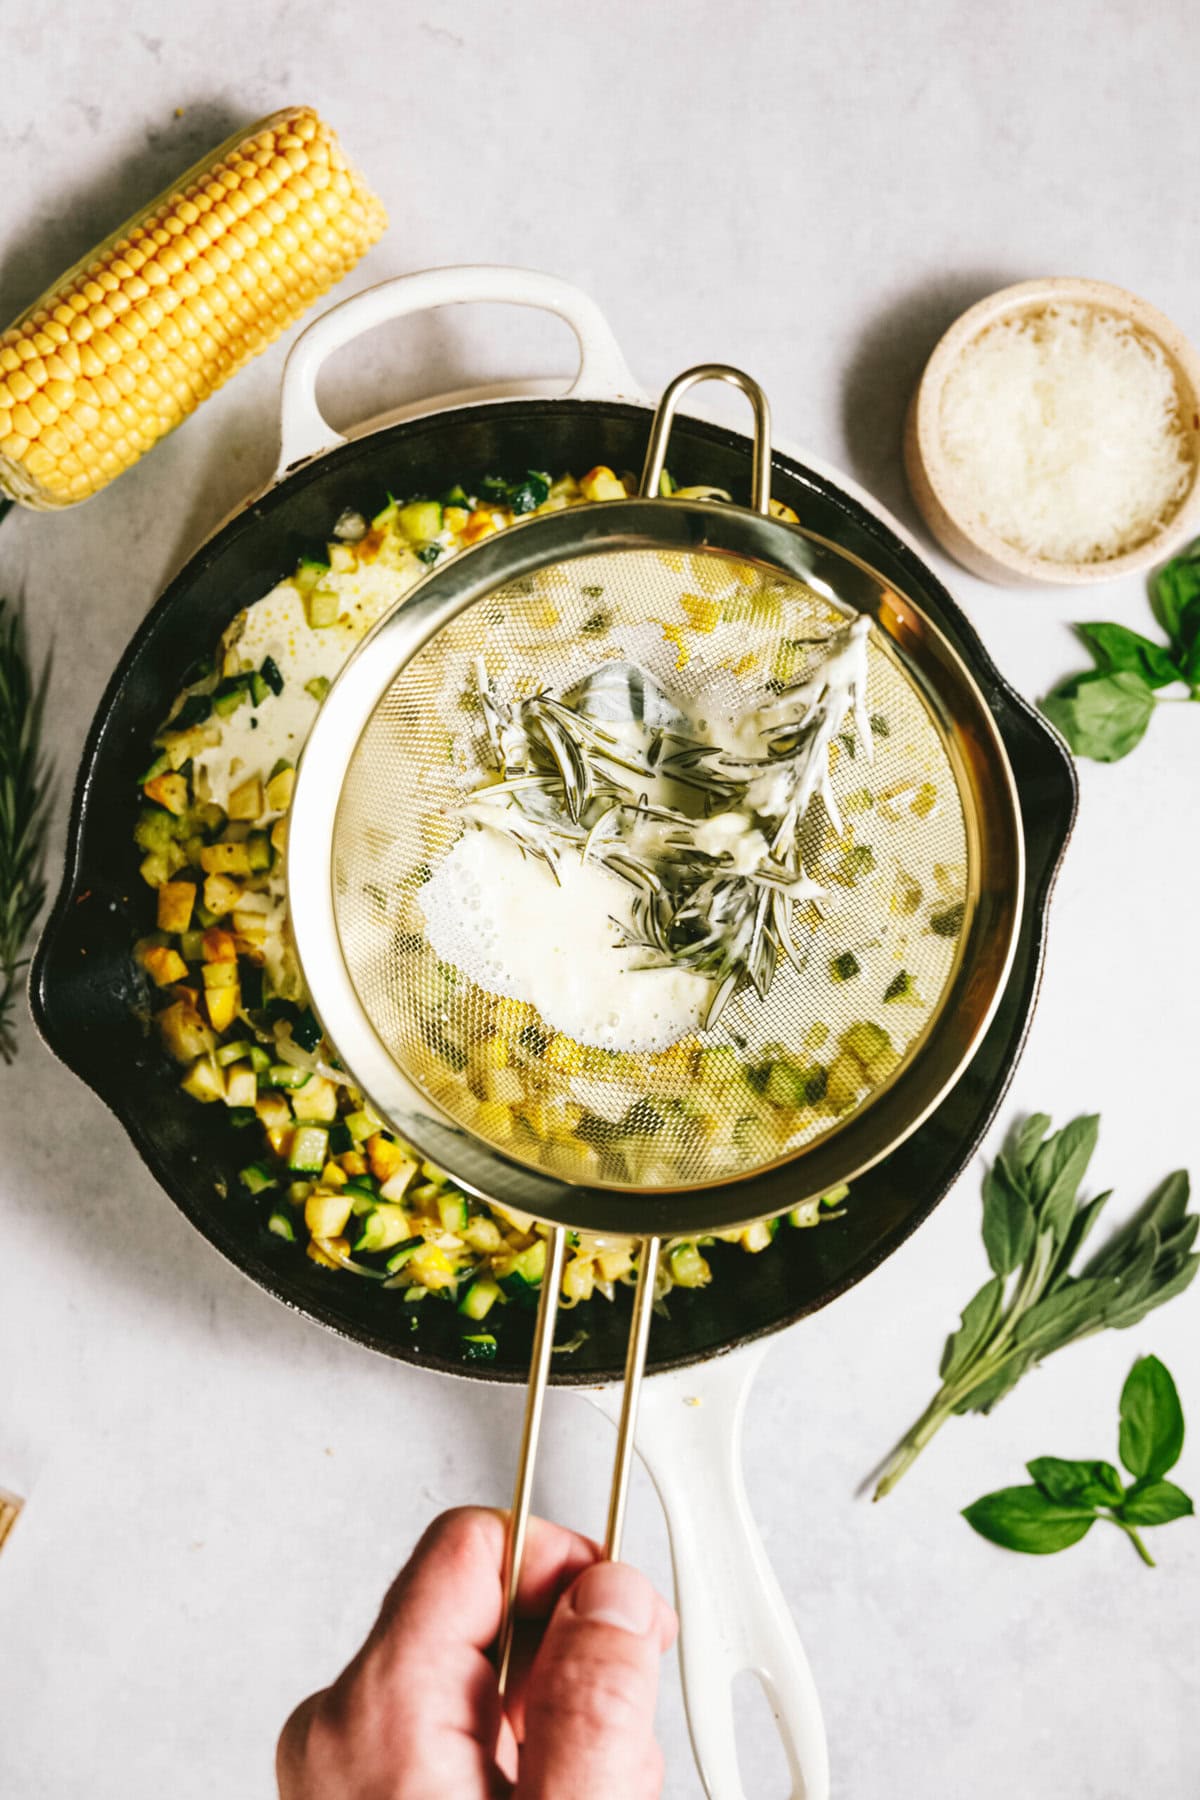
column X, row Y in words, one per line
column 24, row 809
column 569, row 776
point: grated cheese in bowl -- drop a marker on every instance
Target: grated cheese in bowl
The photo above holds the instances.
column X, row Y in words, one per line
column 1067, row 430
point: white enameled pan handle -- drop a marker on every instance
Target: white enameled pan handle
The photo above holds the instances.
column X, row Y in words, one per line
column 304, row 432
column 732, row 1613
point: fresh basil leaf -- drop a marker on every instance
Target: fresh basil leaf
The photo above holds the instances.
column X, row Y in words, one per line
column 1078, row 1483
column 1007, row 1221
column 1173, row 586
column 1103, row 716
column 1157, row 1503
column 978, row 1317
column 1151, row 1420
column 1023, row 1518
column 1187, row 632
column 1116, row 647
column 1057, row 1170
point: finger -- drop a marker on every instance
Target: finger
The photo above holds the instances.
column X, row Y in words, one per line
column 527, row 1643
column 450, row 1589
column 592, row 1690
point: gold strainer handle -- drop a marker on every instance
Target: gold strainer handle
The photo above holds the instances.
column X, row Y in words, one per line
column 539, row 1370
column 664, row 418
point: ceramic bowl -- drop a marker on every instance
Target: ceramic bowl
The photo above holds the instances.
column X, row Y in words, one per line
column 940, row 493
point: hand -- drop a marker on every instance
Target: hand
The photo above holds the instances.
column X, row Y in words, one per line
column 417, row 1716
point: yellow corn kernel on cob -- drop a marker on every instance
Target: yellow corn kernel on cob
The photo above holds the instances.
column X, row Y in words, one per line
column 132, row 338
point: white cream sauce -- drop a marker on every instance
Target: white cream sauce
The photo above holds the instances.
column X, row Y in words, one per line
column 502, row 919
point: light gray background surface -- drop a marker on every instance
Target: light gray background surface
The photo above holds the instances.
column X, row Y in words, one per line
column 218, row 1491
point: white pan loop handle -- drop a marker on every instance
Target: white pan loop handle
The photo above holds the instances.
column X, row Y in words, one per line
column 305, row 433
column 733, row 1615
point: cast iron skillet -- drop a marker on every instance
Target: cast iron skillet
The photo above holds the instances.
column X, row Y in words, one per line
column 89, row 1000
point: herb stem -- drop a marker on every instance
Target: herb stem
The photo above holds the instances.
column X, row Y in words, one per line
column 1134, row 1536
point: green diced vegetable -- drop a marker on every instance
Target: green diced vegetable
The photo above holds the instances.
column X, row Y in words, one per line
column 404, row 1253
column 362, row 1125
column 271, row 674
column 866, row 1040
column 479, row 1346
column 256, row 1177
column 526, row 495
column 900, row 987
column 688, row 1267
column 306, row 1031
column 480, row 1298
column 259, row 852
column 160, row 766
column 229, row 695
column 420, row 520
column 231, row 1053
column 281, row 1225
column 259, row 1061
column 452, row 1210
column 531, row 1263
column 318, row 687
column 241, row 1116
column 845, row 967
column 323, row 607
column 310, row 1146
column 309, row 573
column 949, row 922
column 340, row 1140
column 429, row 553
column 383, row 1228
column 283, row 1075
column 456, row 497
column 195, row 709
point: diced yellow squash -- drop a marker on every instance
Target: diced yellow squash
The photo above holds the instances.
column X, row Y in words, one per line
column 480, row 524
column 184, row 1033
column 218, row 946
column 565, row 1055
column 241, row 1085
column 340, row 1245
column 454, row 518
column 432, row 1268
column 163, row 965
column 506, row 1085
column 780, row 511
column 221, row 893
column 175, row 902
column 601, row 484
column 353, row 1162
column 756, row 1237
column 385, row 1156
column 326, row 1214
column 845, row 1082
column 483, row 1235
column 219, row 975
column 674, row 635
column 579, row 1278
column 222, row 1005
column 332, row 1176
column 181, row 746
column 204, row 1081
column 170, row 791
column 316, row 1100
column 225, row 859
column 279, row 836
column 246, row 800
column 249, row 927
column 280, row 1139
column 614, row 1262
column 391, row 1225
column 273, row 1111
column 494, row 1120
column 153, row 868
column 492, row 1053
column 396, row 1185
column 279, row 790
column 702, row 610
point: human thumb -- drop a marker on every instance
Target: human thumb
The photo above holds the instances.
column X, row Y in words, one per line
column 591, row 1693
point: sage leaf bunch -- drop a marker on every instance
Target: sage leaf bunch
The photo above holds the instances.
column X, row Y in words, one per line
column 1103, row 713
column 1067, row 1497
column 1039, row 1297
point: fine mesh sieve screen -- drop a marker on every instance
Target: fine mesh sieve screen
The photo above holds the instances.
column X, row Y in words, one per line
column 477, row 961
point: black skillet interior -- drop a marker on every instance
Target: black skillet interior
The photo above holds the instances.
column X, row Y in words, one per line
column 89, row 1000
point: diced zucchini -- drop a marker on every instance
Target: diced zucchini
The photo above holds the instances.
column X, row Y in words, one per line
column 271, row 675
column 479, row 1346
column 865, row 1040
column 310, row 1144
column 231, row 1053
column 241, row 1085
column 230, row 695
column 480, row 1298
column 226, row 859
column 395, row 1187
column 316, row 1099
column 318, row 687
column 845, row 967
column 901, row 988
column 323, row 607
column 404, row 1253
column 452, row 1210
column 530, row 1264
column 281, row 1225
column 362, row 1125
column 258, row 852
column 483, row 1235
column 279, row 788
column 306, row 1031
column 383, row 1227
column 246, row 800
column 283, row 1075
column 260, row 689
column 420, row 520
column 257, row 1177
column 688, row 1267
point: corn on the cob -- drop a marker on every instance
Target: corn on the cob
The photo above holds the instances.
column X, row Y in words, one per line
column 138, row 333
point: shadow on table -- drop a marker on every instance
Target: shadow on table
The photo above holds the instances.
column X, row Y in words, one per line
column 51, row 239
column 883, row 373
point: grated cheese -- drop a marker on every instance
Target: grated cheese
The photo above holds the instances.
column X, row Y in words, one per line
column 1065, row 428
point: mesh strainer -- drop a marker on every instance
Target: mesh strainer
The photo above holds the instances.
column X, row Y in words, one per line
column 850, row 821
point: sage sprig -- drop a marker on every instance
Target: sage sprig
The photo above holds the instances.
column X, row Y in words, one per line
column 1067, row 1497
column 24, row 805
column 1034, row 1226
